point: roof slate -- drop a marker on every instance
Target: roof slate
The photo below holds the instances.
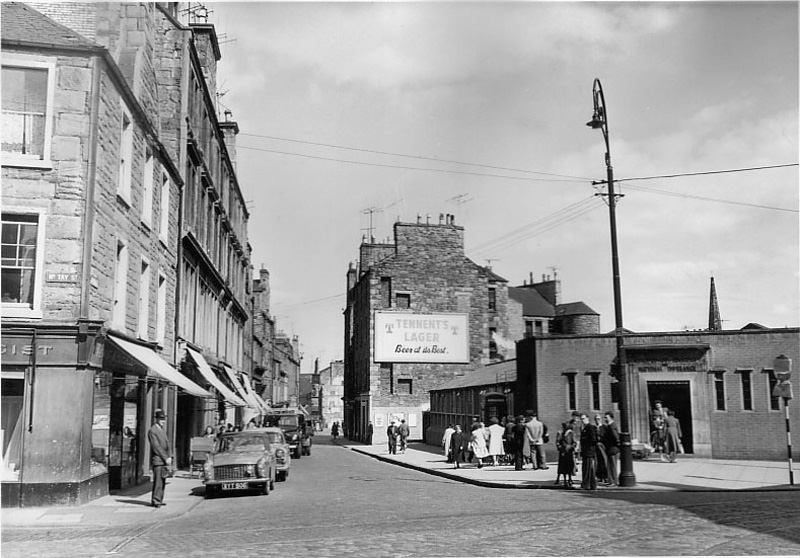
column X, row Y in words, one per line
column 574, row 308
column 22, row 24
column 497, row 373
column 533, row 304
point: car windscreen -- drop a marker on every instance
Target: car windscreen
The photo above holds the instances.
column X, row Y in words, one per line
column 275, row 437
column 240, row 443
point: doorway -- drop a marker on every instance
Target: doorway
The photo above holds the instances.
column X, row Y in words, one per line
column 495, row 406
column 675, row 396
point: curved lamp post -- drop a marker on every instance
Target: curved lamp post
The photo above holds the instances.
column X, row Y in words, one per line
column 600, row 121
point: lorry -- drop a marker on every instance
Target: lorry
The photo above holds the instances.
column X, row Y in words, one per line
column 296, row 430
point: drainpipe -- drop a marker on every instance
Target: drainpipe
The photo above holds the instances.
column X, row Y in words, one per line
column 91, row 177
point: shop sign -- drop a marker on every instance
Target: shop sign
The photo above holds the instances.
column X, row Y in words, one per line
column 428, row 338
column 24, row 352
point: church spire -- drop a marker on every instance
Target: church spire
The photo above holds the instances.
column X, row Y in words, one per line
column 714, row 320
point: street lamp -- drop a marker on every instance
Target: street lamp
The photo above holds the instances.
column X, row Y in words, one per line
column 600, row 121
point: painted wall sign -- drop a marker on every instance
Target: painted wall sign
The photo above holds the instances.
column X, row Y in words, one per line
column 429, row 338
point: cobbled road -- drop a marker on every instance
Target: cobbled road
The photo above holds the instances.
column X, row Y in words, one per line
column 339, row 503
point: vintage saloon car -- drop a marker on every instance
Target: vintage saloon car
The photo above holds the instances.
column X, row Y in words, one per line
column 280, row 451
column 241, row 461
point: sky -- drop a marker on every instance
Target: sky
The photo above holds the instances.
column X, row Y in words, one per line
column 357, row 115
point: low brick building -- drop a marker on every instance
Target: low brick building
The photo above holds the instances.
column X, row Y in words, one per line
column 719, row 384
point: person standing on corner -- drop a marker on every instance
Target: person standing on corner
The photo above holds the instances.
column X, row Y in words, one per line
column 610, row 438
column 535, row 431
column 391, row 435
column 370, row 431
column 588, row 454
column 404, row 432
column 160, row 457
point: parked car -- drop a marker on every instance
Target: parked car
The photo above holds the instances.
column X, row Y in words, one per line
column 281, row 451
column 241, row 461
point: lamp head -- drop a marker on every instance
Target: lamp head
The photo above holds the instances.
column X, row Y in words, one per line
column 597, row 120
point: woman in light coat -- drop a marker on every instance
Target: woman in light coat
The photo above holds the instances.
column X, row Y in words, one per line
column 448, row 434
column 477, row 444
column 496, row 440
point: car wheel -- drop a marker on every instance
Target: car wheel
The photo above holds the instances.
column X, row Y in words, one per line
column 297, row 453
column 266, row 488
column 210, row 492
column 272, row 483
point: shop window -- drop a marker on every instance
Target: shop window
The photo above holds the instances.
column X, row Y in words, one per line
column 12, row 405
column 27, row 101
column 22, row 263
column 719, row 390
column 101, row 423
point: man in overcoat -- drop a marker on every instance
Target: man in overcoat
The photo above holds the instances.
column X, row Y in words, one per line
column 160, row 457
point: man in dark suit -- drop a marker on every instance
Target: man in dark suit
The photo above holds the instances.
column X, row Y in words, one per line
column 160, row 457
column 457, row 443
column 610, row 438
column 588, row 454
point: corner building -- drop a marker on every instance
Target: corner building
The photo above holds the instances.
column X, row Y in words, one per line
column 419, row 313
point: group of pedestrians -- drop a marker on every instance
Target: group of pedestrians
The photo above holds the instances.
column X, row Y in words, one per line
column 598, row 445
column 515, row 439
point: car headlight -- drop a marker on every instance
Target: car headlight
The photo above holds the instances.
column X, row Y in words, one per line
column 295, row 437
column 279, row 453
column 208, row 470
column 251, row 471
column 262, row 467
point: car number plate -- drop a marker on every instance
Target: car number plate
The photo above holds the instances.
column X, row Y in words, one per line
column 234, row 485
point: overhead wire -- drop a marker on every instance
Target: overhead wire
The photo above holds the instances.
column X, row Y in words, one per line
column 420, row 157
column 406, row 167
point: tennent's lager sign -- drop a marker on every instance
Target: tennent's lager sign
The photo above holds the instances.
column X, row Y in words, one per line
column 432, row 338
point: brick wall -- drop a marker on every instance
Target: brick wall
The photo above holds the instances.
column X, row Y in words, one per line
column 545, row 363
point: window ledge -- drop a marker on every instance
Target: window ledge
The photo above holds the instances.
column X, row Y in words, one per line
column 14, row 311
column 23, row 162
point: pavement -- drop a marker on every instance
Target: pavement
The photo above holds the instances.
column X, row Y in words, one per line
column 132, row 508
column 687, row 473
column 128, row 507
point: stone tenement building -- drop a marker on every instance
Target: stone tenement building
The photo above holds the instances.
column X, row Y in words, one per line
column 419, row 313
column 129, row 282
column 331, row 381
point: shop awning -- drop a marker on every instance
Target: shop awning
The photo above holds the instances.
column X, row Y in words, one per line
column 253, row 396
column 245, row 394
column 149, row 358
column 208, row 374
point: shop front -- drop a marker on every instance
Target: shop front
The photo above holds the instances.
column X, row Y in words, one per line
column 48, row 378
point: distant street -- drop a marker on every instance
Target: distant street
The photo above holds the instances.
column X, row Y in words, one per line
column 341, row 503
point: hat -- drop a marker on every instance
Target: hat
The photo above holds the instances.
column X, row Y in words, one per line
column 160, row 415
